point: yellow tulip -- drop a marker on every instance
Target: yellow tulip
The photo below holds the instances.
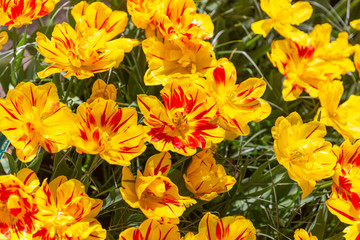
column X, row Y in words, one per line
column 302, row 150
column 3, row 38
column 205, row 178
column 103, row 90
column 151, row 229
column 79, row 54
column 296, row 13
column 307, row 61
column 301, row 234
column 32, row 116
column 238, row 103
column 66, row 211
column 344, row 118
column 17, row 205
column 355, row 24
column 227, row 228
column 14, row 13
column 153, row 192
column 185, row 120
column 105, row 129
column 170, row 60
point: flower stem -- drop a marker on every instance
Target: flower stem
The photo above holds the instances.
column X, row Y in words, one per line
column 13, row 63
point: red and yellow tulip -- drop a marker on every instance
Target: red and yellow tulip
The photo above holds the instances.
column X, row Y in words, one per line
column 177, row 19
column 205, row 178
column 79, row 53
column 185, row 120
column 15, row 13
column 301, row 234
column 302, row 150
column 151, row 229
column 67, row 212
column 17, row 205
column 307, row 61
column 32, row 116
column 238, row 103
column 153, row 192
column 105, row 129
column 227, row 228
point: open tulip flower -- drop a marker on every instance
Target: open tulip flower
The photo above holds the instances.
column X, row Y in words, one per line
column 344, row 200
column 344, row 118
column 15, row 13
column 79, row 54
column 104, row 129
column 306, row 61
column 151, row 229
column 102, row 90
column 153, row 192
column 302, row 150
column 17, row 205
column 296, row 13
column 142, row 14
column 98, row 15
column 178, row 19
column 227, row 228
column 238, row 103
column 32, row 116
column 205, row 178
column 67, row 212
column 301, row 234
column 169, row 60
column 185, row 120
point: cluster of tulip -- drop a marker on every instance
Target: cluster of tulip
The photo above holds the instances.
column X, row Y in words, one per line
column 313, row 63
column 202, row 104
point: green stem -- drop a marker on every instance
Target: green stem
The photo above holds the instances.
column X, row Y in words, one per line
column 94, row 165
column 68, row 88
column 13, row 63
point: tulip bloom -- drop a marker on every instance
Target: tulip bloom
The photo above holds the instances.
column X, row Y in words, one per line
column 184, row 121
column 301, row 234
column 302, row 150
column 178, row 19
column 153, row 192
column 3, row 38
column 355, row 24
column 67, row 212
column 170, row 60
column 227, row 228
column 238, row 103
column 142, row 14
column 102, row 90
column 15, row 13
column 306, row 61
column 80, row 54
column 105, row 129
column 205, row 178
column 344, row 118
column 17, row 205
column 32, row 116
column 297, row 13
column 151, row 229
column 344, row 200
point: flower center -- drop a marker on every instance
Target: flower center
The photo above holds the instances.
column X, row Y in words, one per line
column 179, row 120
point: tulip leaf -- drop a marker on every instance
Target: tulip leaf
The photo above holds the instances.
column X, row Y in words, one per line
column 12, row 163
